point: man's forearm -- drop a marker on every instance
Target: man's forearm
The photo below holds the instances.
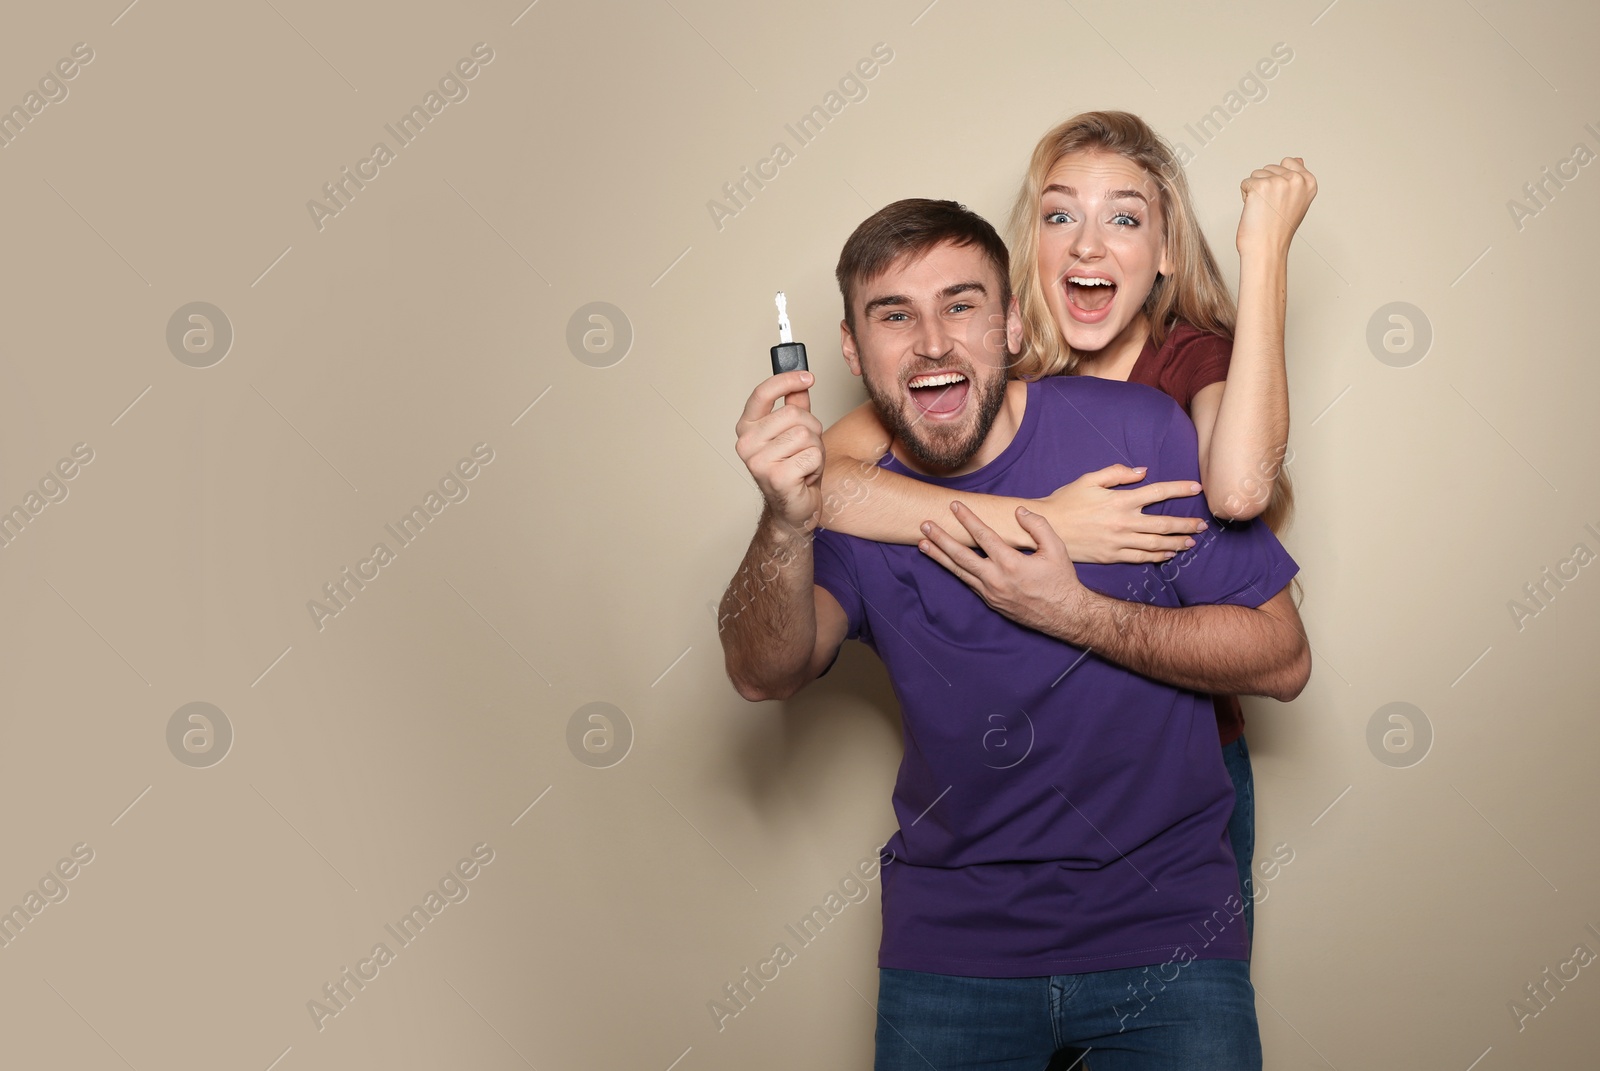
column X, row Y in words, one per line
column 1224, row 650
column 768, row 617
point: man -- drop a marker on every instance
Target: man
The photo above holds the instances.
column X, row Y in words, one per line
column 1061, row 875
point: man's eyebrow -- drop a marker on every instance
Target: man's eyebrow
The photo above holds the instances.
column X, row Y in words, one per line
column 1111, row 195
column 962, row 288
column 889, row 300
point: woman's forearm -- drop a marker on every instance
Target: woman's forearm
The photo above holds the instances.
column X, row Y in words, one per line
column 862, row 499
column 1241, row 460
column 873, row 503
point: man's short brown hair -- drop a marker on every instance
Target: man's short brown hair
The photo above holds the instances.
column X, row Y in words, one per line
column 911, row 228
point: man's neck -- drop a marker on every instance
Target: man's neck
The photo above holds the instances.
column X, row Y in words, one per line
column 1004, row 429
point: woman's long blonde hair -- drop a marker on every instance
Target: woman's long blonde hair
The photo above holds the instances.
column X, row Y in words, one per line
column 1194, row 293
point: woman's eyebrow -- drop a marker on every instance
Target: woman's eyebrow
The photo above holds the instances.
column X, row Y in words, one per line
column 1111, row 195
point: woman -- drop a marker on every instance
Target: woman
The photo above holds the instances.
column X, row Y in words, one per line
column 1114, row 278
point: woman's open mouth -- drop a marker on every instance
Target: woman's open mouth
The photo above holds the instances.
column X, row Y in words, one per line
column 1089, row 297
column 939, row 394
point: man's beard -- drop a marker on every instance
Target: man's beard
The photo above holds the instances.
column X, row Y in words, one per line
column 947, row 447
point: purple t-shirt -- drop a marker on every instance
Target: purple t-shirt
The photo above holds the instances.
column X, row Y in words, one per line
column 1058, row 813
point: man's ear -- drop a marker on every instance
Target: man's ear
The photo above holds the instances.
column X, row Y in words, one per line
column 1014, row 326
column 847, row 342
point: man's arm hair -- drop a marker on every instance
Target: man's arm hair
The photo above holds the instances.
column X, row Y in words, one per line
column 778, row 629
column 1223, row 650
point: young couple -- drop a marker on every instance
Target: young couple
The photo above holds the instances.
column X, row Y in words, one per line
column 1071, row 872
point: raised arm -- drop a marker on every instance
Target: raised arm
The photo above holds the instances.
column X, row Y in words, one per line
column 778, row 630
column 1098, row 525
column 1243, row 425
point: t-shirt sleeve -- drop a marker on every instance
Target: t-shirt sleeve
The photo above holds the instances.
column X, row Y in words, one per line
column 834, row 572
column 1238, row 564
column 1201, row 362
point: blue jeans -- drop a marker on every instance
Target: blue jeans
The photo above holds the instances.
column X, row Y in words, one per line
column 1242, row 826
column 1198, row 1015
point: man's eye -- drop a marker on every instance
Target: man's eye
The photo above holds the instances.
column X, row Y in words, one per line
column 894, row 316
column 960, row 306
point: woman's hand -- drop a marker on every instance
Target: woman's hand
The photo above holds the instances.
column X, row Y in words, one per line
column 1100, row 525
column 1276, row 198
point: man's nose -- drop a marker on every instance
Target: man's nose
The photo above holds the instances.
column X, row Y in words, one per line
column 932, row 341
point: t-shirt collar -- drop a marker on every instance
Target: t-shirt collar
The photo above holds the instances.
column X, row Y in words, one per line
column 1007, row 457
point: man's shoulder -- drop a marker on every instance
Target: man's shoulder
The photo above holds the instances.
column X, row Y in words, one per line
column 1110, row 398
column 827, row 537
column 832, row 549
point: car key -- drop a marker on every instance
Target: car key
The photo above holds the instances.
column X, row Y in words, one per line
column 788, row 355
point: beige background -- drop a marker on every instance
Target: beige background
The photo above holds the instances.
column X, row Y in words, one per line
column 431, row 313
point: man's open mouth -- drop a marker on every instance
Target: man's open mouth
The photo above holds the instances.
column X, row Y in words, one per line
column 939, row 394
column 1089, row 294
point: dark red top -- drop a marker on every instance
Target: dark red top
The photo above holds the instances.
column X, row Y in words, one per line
column 1188, row 360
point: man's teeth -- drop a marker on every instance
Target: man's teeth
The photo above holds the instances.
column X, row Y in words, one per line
column 943, row 380
column 1078, row 281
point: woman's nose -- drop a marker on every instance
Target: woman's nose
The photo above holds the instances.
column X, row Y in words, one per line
column 1087, row 241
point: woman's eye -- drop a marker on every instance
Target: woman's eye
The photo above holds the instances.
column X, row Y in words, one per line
column 1057, row 217
column 1125, row 220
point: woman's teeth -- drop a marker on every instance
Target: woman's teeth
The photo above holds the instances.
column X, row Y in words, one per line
column 1090, row 293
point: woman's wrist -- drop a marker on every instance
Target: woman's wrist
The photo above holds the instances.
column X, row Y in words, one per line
column 1271, row 252
column 1263, row 279
column 1265, row 253
column 1006, row 524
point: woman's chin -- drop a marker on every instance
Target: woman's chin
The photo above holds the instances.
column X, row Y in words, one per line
column 1087, row 338
column 1079, row 335
column 1090, row 339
